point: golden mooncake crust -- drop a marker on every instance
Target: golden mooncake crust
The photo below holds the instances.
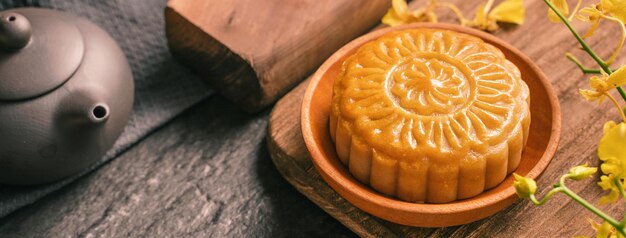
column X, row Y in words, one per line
column 429, row 115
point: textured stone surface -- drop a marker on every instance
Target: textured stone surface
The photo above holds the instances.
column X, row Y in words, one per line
column 163, row 88
column 206, row 174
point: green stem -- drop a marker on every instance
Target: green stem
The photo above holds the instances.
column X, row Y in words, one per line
column 582, row 68
column 545, row 198
column 621, row 190
column 586, row 47
column 618, row 225
column 621, row 92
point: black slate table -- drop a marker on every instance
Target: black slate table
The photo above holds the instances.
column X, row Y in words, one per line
column 205, row 174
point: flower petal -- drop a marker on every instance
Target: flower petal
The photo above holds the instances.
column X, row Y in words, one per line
column 398, row 14
column 612, row 152
column 592, row 15
column 611, row 166
column 608, row 126
column 510, row 11
column 617, row 78
column 604, row 230
column 481, row 17
column 581, row 172
column 482, row 21
column 592, row 29
column 617, row 8
column 606, row 183
column 599, row 83
column 612, row 146
column 588, row 13
column 591, row 95
column 560, row 5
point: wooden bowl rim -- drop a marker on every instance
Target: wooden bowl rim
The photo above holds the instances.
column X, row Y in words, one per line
column 501, row 199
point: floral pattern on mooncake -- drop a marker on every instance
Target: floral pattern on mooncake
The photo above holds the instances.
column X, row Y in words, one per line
column 429, row 115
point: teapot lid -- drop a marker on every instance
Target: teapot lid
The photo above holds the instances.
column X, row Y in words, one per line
column 39, row 51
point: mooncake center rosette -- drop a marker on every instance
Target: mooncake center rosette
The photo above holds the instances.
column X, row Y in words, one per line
column 431, row 98
column 430, row 84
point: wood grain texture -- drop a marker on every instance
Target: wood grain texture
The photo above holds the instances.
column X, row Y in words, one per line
column 254, row 51
column 546, row 44
column 543, row 141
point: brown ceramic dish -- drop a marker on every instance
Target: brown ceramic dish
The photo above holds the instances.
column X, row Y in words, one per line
column 542, row 142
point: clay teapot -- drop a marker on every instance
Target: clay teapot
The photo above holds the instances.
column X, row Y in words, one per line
column 66, row 92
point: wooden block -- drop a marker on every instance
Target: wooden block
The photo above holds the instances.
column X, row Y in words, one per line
column 254, row 51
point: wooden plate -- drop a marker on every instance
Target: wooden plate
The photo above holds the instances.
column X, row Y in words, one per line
column 542, row 143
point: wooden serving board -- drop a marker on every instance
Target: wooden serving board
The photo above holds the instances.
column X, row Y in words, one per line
column 291, row 158
column 545, row 43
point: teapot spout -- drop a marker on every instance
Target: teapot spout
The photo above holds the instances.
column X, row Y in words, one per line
column 81, row 118
column 80, row 109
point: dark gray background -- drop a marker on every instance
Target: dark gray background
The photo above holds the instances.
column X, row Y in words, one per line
column 207, row 173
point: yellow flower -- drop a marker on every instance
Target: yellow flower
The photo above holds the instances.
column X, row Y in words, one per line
column 616, row 8
column 599, row 88
column 581, row 172
column 524, row 187
column 604, row 230
column 600, row 85
column 612, row 152
column 605, row 9
column 592, row 15
column 509, row 11
column 399, row 13
column 613, row 10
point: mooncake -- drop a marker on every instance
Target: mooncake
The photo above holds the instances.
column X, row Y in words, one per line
column 428, row 115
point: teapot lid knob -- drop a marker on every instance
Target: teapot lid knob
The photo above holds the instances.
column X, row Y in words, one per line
column 40, row 49
column 15, row 31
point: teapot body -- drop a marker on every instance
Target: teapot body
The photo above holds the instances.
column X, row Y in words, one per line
column 69, row 128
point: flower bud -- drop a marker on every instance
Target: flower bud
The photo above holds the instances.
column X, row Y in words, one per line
column 581, row 172
column 524, row 187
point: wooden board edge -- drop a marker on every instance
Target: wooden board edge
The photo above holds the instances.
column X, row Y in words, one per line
column 313, row 190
